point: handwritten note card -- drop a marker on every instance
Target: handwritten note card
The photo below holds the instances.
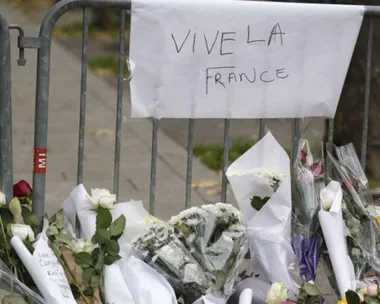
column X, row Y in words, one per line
column 45, row 258
column 239, row 59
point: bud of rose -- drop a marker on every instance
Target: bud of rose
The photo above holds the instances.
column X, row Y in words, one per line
column 302, row 156
column 372, row 290
column 15, row 208
column 22, row 189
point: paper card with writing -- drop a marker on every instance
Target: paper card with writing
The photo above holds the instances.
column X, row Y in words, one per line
column 239, row 59
column 45, row 258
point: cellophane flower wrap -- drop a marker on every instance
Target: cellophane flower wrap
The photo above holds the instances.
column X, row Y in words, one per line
column 261, row 182
column 363, row 232
column 14, row 291
column 309, row 180
column 199, row 251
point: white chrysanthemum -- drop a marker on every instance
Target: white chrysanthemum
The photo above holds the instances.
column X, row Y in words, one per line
column 277, row 293
column 272, row 176
column 191, row 238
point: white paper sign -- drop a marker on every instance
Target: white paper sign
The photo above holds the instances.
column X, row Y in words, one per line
column 239, row 59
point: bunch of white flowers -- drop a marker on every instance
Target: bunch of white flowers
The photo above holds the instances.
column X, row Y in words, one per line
column 101, row 198
column 272, row 176
column 277, row 293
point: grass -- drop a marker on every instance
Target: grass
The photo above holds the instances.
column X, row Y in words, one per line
column 211, row 155
column 106, row 66
column 75, row 30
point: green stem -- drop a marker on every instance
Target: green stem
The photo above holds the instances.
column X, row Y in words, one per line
column 5, row 239
column 63, row 260
column 103, row 287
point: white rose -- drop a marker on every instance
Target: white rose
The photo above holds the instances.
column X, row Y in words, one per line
column 277, row 293
column 101, row 198
column 3, row 200
column 82, row 246
column 327, row 199
column 24, row 232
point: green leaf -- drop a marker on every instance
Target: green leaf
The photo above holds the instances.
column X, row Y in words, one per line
column 64, row 238
column 102, row 236
column 95, row 254
column 6, row 216
column 352, row 297
column 110, row 259
column 370, row 300
column 117, row 227
column 59, row 219
column 103, row 218
column 32, row 220
column 88, row 273
column 113, row 248
column 95, row 281
column 100, row 262
column 258, row 202
column 13, row 299
column 83, row 259
column 52, row 230
column 311, row 289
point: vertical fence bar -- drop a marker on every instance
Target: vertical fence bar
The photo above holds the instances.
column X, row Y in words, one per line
column 119, row 109
column 226, row 146
column 153, row 169
column 189, row 169
column 262, row 128
column 83, row 94
column 6, row 144
column 367, row 95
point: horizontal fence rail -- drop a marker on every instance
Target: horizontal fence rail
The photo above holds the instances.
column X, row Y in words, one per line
column 6, row 157
column 42, row 102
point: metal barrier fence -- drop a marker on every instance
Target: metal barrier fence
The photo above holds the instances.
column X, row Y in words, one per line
column 6, row 157
column 42, row 101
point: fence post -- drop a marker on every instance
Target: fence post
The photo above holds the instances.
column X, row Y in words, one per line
column 6, row 157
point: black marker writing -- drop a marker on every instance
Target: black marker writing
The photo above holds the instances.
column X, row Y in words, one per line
column 213, row 44
column 223, row 39
column 175, row 42
column 223, row 75
column 276, row 30
column 249, row 41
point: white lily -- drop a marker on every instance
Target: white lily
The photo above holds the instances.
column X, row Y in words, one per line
column 24, row 232
column 101, row 198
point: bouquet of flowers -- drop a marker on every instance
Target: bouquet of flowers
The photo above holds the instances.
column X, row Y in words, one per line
column 199, row 251
column 363, row 232
column 309, row 180
column 125, row 280
column 261, row 182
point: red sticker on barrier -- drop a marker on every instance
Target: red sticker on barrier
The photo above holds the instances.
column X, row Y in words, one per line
column 40, row 155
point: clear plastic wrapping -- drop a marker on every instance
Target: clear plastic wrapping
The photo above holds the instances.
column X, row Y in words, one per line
column 363, row 231
column 199, row 251
column 14, row 291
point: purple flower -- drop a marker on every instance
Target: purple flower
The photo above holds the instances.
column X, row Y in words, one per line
column 307, row 252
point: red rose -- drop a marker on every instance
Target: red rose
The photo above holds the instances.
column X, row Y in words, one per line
column 22, row 189
column 302, row 156
column 350, row 181
column 317, row 169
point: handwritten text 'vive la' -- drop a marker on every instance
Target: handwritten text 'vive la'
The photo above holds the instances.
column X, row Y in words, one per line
column 221, row 43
